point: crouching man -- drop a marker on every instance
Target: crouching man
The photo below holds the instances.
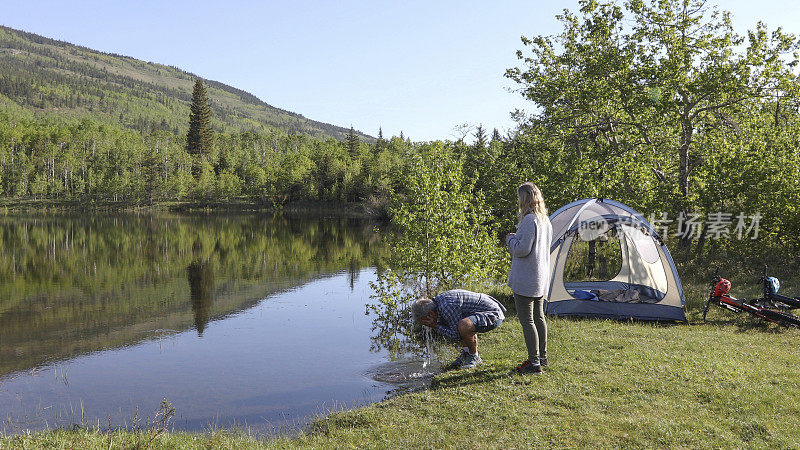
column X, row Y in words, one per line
column 460, row 315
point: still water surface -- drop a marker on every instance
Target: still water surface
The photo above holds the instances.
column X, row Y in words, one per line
column 241, row 320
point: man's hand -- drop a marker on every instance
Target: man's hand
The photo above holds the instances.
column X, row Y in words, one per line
column 428, row 321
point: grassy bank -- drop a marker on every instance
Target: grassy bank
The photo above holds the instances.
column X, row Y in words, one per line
column 729, row 383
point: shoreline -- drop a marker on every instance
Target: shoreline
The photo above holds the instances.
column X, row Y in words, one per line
column 356, row 210
column 661, row 388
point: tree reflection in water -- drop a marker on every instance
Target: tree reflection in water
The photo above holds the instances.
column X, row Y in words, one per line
column 98, row 281
column 201, row 286
column 393, row 328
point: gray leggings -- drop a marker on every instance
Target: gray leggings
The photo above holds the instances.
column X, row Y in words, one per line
column 530, row 311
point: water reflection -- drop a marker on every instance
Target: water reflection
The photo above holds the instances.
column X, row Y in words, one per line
column 241, row 318
column 76, row 284
column 201, row 285
column 352, row 273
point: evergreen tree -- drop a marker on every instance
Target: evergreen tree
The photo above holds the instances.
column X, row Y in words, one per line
column 496, row 136
column 200, row 138
column 480, row 137
column 352, row 141
column 381, row 143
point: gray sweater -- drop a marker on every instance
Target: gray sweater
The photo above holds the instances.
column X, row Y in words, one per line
column 530, row 256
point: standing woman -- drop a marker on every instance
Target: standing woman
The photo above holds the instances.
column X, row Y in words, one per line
column 529, row 278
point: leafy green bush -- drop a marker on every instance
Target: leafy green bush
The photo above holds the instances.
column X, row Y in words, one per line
column 444, row 240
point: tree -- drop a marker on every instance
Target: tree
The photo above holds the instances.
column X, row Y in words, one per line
column 151, row 175
column 480, row 138
column 636, row 88
column 443, row 240
column 200, row 138
column 352, row 141
column 380, row 143
column 496, row 136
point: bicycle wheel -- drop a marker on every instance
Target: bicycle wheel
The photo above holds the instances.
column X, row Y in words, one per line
column 781, row 318
column 768, row 303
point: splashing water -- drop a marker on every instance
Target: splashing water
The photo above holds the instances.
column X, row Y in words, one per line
column 410, row 373
column 427, row 335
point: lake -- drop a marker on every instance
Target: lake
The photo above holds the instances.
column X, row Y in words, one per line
column 237, row 320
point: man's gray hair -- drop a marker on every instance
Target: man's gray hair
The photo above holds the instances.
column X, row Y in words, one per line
column 422, row 307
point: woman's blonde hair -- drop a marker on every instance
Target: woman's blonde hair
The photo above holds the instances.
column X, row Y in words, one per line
column 530, row 201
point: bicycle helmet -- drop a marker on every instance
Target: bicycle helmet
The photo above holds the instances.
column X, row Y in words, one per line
column 723, row 287
column 773, row 284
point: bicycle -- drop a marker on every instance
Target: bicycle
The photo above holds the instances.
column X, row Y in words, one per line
column 771, row 298
column 719, row 295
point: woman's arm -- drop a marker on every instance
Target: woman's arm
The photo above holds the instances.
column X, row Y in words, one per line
column 521, row 243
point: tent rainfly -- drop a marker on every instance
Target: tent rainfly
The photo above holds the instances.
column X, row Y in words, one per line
column 646, row 287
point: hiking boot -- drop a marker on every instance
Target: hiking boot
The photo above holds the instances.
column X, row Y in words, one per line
column 531, row 368
column 471, row 361
column 543, row 362
column 524, row 364
column 458, row 362
column 527, row 362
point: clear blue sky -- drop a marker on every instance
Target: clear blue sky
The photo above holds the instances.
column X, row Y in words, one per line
column 418, row 66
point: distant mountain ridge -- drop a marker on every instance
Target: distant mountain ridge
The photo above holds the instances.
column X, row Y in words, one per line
column 55, row 78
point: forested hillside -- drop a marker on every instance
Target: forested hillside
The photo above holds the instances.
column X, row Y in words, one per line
column 91, row 162
column 84, row 126
column 57, row 79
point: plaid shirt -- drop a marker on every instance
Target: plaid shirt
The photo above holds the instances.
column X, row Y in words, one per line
column 457, row 304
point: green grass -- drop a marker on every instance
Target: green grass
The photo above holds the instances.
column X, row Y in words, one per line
column 91, row 439
column 731, row 382
column 610, row 384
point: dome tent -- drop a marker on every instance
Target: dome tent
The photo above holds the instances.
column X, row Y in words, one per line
column 647, row 286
